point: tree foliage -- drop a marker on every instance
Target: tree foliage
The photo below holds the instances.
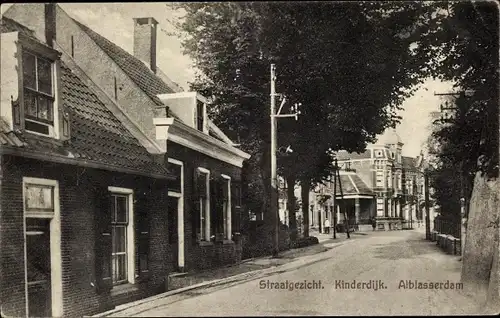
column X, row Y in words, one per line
column 351, row 65
column 467, row 42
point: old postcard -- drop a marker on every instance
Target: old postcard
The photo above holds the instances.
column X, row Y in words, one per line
column 163, row 159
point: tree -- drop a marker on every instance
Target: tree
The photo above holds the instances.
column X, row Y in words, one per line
column 350, row 65
column 466, row 48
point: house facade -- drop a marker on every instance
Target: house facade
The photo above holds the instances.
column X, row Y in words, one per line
column 82, row 222
column 183, row 176
column 395, row 180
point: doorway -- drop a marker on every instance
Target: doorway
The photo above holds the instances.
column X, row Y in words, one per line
column 173, row 232
column 38, row 266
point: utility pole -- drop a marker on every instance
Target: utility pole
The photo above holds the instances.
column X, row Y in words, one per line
column 274, row 142
column 346, row 219
column 334, row 220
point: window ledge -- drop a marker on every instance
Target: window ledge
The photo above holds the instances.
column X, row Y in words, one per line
column 205, row 243
column 123, row 289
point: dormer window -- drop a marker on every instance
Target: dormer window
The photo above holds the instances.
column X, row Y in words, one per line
column 38, row 94
column 200, row 115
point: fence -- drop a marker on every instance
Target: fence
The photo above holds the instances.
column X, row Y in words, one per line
column 448, row 227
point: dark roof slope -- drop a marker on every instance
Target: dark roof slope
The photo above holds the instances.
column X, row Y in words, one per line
column 352, row 184
column 409, row 163
column 344, row 155
column 142, row 75
column 9, row 25
column 96, row 134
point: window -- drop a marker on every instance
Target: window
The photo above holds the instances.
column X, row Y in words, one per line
column 200, row 107
column 119, row 224
column 226, row 206
column 203, row 204
column 38, row 93
column 379, row 179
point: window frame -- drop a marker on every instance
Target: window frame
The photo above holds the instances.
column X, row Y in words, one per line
column 43, row 51
column 130, row 247
column 204, row 201
column 38, row 94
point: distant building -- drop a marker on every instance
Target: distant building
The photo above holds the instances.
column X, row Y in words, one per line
column 380, row 183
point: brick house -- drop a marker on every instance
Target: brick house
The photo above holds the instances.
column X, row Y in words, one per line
column 204, row 201
column 391, row 177
column 82, row 222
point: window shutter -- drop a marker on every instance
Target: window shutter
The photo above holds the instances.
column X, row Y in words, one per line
column 142, row 231
column 195, row 217
column 103, row 240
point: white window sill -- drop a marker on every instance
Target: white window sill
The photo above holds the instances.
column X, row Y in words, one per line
column 123, row 289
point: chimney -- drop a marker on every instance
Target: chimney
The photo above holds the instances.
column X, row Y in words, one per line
column 50, row 23
column 145, row 41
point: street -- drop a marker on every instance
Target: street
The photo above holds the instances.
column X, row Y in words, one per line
column 387, row 259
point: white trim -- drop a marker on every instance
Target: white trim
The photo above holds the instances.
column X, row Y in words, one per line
column 130, row 231
column 180, row 213
column 203, row 170
column 119, row 190
column 217, row 131
column 194, row 139
column 228, row 224
column 355, row 196
column 55, row 248
column 207, row 204
column 352, row 181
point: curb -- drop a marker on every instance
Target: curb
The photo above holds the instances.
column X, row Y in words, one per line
column 227, row 280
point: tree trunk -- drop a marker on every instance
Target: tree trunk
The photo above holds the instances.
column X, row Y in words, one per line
column 480, row 274
column 304, row 193
column 292, row 217
column 265, row 172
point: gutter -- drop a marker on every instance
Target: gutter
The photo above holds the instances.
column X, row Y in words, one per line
column 79, row 162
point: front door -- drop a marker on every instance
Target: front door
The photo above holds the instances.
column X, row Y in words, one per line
column 38, row 267
column 173, row 233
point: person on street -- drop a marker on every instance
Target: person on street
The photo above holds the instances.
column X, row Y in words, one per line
column 374, row 223
column 327, row 226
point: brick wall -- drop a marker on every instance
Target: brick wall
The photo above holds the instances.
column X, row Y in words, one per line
column 77, row 234
column 202, row 257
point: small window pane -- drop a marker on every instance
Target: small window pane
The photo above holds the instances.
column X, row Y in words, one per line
column 44, row 76
column 44, row 108
column 119, row 239
column 39, row 198
column 119, row 268
column 121, row 209
column 29, row 70
column 30, row 104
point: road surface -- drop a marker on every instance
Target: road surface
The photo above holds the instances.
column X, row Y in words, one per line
column 384, row 267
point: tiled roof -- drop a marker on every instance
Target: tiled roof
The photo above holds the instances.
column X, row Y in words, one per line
column 96, row 135
column 138, row 72
column 344, row 155
column 352, row 184
column 409, row 163
column 141, row 74
column 9, row 25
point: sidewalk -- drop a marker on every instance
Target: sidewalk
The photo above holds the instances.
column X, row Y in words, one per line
column 246, row 270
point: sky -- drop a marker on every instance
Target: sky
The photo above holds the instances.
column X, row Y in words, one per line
column 114, row 21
